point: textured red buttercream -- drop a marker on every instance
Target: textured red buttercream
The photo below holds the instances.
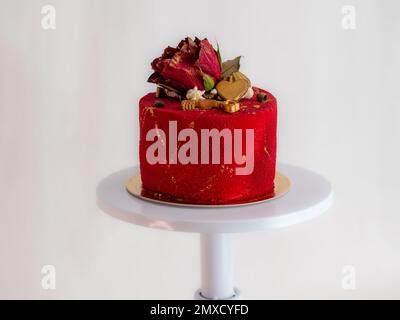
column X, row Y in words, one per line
column 211, row 183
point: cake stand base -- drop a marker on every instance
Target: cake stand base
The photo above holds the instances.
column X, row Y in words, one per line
column 199, row 296
column 309, row 196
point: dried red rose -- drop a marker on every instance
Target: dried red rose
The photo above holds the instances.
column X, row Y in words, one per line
column 194, row 63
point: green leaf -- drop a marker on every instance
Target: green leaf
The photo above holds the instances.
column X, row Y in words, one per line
column 230, row 66
column 208, row 82
column 219, row 55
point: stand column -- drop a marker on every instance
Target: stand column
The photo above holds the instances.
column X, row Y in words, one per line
column 216, row 266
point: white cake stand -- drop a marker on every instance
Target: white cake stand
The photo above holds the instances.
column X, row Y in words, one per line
column 310, row 195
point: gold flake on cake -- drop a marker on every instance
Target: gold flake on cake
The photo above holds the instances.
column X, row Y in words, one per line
column 227, row 169
column 145, row 111
column 209, row 184
column 159, row 135
column 267, row 153
column 151, row 110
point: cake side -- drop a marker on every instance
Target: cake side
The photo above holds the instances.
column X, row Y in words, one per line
column 241, row 150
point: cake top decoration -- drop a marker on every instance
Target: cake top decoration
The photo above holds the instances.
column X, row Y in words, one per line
column 194, row 71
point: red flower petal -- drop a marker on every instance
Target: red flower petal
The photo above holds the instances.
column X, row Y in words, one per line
column 183, row 68
column 208, row 60
column 188, row 50
column 155, row 78
column 184, row 76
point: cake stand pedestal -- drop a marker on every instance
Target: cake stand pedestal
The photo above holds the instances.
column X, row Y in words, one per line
column 310, row 195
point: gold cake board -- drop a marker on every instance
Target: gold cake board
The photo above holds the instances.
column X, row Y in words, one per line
column 134, row 187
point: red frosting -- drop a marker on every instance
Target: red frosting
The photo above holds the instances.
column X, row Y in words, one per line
column 211, row 183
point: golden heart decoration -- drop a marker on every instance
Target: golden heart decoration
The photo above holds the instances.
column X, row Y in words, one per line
column 234, row 87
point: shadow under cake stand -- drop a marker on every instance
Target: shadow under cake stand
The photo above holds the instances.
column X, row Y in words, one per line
column 309, row 196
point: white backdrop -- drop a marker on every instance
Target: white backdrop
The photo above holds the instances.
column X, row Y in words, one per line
column 68, row 117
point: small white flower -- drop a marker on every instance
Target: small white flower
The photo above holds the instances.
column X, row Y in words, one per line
column 249, row 94
column 194, row 94
column 214, row 92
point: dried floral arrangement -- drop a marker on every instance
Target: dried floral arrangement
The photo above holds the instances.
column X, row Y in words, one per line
column 195, row 73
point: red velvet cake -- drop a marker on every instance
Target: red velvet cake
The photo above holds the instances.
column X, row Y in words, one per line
column 207, row 136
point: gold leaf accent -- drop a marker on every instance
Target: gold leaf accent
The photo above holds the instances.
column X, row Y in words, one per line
column 159, row 134
column 266, row 151
column 151, row 110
